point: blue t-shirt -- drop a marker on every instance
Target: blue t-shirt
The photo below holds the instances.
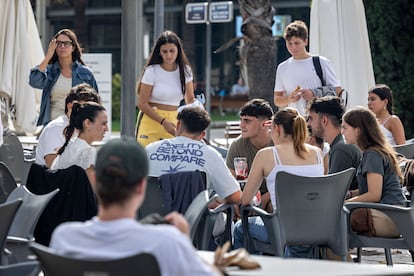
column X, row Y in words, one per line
column 373, row 162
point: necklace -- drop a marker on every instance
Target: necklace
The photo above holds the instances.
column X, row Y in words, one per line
column 385, row 120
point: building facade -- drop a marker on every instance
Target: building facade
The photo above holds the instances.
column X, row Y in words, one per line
column 98, row 26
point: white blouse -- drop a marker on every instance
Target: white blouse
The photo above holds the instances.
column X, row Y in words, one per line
column 77, row 152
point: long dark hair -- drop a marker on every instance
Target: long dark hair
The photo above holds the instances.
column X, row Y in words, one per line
column 370, row 135
column 294, row 125
column 77, row 51
column 182, row 60
column 80, row 112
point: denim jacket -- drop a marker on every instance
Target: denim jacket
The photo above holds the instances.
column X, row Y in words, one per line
column 47, row 79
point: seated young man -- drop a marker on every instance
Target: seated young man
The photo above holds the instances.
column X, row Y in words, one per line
column 121, row 181
column 186, row 152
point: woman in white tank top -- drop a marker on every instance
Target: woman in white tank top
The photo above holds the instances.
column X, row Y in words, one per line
column 291, row 153
column 380, row 102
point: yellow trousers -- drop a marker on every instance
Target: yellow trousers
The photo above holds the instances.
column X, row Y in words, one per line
column 150, row 131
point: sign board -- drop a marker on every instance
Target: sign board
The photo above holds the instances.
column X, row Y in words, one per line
column 196, row 13
column 101, row 66
column 221, row 12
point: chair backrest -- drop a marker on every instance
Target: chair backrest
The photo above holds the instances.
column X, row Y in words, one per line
column 180, row 188
column 11, row 153
column 7, row 212
column 21, row 268
column 53, row 264
column 222, row 151
column 407, row 150
column 26, row 218
column 75, row 202
column 310, row 209
column 7, row 182
column 196, row 216
column 154, row 201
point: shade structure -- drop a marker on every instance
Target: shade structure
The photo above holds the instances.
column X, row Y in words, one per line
column 20, row 50
column 338, row 31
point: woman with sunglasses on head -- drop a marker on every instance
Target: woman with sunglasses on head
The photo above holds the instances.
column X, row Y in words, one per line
column 380, row 102
column 61, row 69
column 167, row 78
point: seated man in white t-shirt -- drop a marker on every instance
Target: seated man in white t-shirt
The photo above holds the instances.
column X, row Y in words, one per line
column 121, row 182
column 186, row 152
column 52, row 138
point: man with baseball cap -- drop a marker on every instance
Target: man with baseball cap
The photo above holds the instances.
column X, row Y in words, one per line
column 121, row 180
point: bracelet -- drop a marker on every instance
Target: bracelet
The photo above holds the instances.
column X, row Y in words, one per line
column 162, row 121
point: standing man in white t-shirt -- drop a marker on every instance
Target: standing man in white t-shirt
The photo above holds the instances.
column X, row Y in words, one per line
column 296, row 78
column 52, row 138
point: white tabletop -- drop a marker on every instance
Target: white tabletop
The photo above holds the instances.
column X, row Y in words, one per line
column 291, row 267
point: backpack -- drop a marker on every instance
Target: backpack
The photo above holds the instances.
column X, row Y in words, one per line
column 318, row 68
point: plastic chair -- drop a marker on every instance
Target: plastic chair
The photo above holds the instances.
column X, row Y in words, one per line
column 403, row 217
column 309, row 211
column 407, row 150
column 24, row 222
column 53, row 264
column 11, row 153
column 24, row 268
column 153, row 201
column 7, row 182
column 75, row 202
column 202, row 219
column 7, row 213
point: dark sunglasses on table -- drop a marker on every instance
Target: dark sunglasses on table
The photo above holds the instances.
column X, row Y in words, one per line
column 64, row 43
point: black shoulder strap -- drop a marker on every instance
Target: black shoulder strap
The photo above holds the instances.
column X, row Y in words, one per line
column 318, row 68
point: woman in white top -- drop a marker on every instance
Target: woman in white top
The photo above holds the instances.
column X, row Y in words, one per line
column 291, row 153
column 380, row 101
column 91, row 120
column 167, row 78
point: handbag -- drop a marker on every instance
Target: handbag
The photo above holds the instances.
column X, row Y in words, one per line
column 361, row 222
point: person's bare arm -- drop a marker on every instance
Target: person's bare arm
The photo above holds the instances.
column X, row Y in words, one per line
column 189, row 92
column 91, row 175
column 374, row 181
column 281, row 98
column 144, row 93
column 397, row 130
column 255, row 179
column 49, row 158
column 49, row 54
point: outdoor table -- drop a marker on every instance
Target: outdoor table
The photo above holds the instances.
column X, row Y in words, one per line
column 280, row 266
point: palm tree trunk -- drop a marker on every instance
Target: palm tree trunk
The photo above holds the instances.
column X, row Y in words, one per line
column 258, row 52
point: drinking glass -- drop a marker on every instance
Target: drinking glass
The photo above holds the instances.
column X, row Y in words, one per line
column 241, row 168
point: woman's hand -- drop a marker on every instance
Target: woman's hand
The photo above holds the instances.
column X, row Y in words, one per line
column 49, row 54
column 51, row 50
column 169, row 127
